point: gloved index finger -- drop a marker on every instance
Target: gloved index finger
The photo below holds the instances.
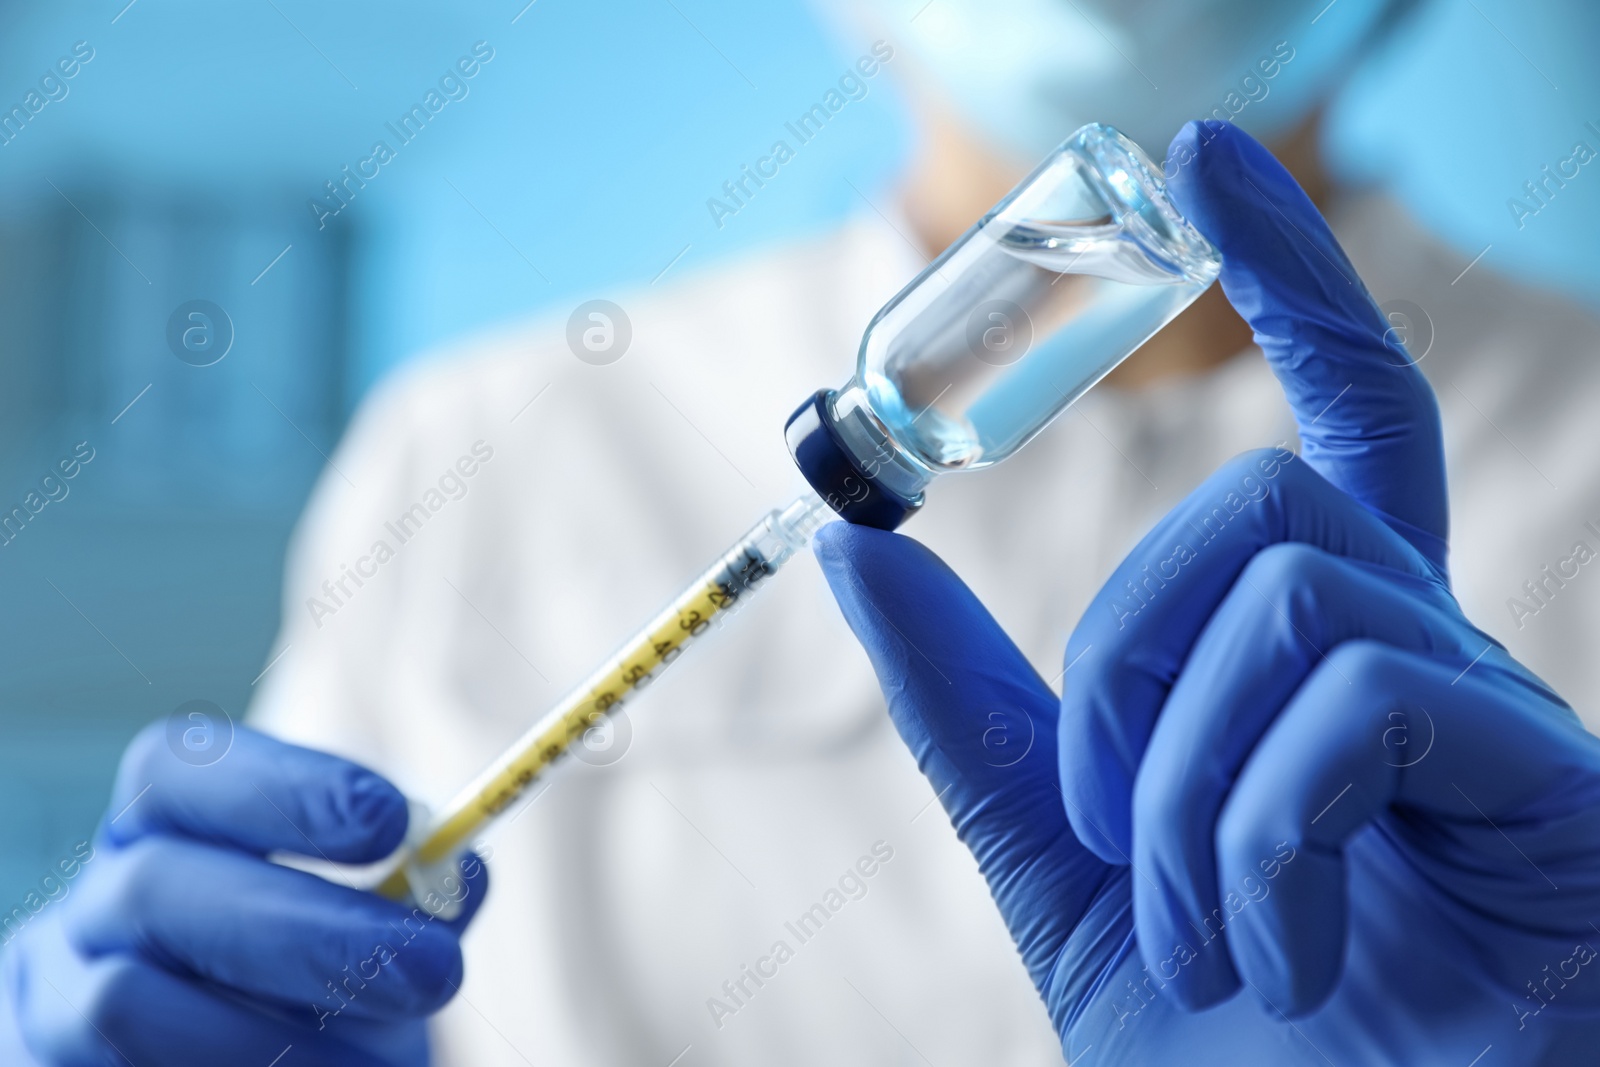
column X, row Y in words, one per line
column 263, row 795
column 1368, row 419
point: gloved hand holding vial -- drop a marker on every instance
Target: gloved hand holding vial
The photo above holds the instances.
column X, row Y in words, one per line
column 1291, row 806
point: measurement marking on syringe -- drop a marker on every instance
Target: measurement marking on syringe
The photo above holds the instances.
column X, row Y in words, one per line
column 718, row 591
column 632, row 670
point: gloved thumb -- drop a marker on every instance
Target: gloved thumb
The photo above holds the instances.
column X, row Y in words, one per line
column 1367, row 418
column 980, row 722
column 259, row 795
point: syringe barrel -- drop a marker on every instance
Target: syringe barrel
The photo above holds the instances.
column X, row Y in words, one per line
column 1075, row 269
column 711, row 598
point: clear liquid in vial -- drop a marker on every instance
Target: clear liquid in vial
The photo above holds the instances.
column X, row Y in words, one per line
column 1009, row 331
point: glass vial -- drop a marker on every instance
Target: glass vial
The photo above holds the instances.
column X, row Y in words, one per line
column 1075, row 269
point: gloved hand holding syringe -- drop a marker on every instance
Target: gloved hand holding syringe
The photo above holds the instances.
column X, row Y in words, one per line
column 1076, row 268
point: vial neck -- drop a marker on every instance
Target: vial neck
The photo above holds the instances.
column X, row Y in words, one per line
column 873, row 447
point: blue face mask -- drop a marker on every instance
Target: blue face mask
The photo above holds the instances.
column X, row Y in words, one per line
column 1484, row 120
column 1029, row 72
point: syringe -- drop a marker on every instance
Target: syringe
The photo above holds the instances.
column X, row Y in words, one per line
column 1076, row 268
column 708, row 600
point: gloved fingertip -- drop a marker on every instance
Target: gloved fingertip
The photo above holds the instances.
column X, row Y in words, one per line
column 1206, row 989
column 1092, row 837
column 474, row 873
column 474, row 869
column 1210, row 140
column 1213, row 167
column 844, row 547
column 1186, row 147
column 430, row 964
column 831, row 546
column 1096, row 785
column 860, row 558
column 375, row 811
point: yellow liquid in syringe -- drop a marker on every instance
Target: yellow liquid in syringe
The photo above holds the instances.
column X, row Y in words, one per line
column 712, row 596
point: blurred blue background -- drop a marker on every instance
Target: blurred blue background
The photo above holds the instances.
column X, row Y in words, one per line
column 178, row 164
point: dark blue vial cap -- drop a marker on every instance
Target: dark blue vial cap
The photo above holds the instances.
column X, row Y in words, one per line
column 835, row 474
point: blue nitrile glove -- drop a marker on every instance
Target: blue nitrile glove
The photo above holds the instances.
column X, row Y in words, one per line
column 1293, row 807
column 180, row 944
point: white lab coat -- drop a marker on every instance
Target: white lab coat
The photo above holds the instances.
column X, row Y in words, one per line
column 762, row 766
